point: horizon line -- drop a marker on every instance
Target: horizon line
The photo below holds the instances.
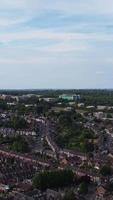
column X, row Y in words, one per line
column 34, row 89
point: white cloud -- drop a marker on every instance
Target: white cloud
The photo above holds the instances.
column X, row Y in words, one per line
column 22, row 61
column 110, row 60
column 84, row 50
column 66, row 47
column 51, row 35
column 7, row 22
column 100, row 72
column 72, row 6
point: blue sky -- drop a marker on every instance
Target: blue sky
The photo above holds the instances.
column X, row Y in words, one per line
column 56, row 44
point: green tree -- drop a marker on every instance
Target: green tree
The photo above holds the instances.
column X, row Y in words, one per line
column 69, row 195
column 53, row 179
column 18, row 123
column 106, row 170
column 110, row 187
column 109, row 115
column 83, row 188
column 20, row 145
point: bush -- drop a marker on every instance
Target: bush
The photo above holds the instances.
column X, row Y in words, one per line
column 83, row 189
column 106, row 170
column 20, row 145
column 53, row 179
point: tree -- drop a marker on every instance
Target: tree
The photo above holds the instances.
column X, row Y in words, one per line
column 20, row 145
column 3, row 105
column 18, row 123
column 110, row 187
column 87, row 146
column 106, row 170
column 53, row 179
column 69, row 195
column 83, row 188
column 109, row 115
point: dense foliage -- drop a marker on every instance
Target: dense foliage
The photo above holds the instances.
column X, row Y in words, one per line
column 71, row 134
column 19, row 144
column 53, row 179
column 83, row 188
column 106, row 170
column 69, row 195
column 96, row 97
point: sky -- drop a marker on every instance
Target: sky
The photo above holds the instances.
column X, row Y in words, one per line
column 56, row 44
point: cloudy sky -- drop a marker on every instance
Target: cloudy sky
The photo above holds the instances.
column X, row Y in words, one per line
column 56, row 44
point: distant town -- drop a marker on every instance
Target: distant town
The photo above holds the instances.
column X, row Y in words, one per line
column 56, row 144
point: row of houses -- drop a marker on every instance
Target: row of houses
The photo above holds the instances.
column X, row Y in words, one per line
column 24, row 158
column 11, row 132
column 72, row 154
